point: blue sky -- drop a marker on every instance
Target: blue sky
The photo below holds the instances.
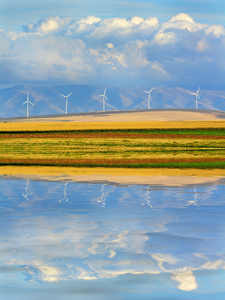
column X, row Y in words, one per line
column 171, row 43
column 15, row 13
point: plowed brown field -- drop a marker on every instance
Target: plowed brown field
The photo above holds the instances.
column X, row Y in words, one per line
column 68, row 162
column 98, row 135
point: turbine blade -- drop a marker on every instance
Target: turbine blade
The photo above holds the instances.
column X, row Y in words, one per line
column 105, row 91
column 101, row 95
column 198, row 90
column 31, row 103
column 24, row 102
column 151, row 90
column 69, row 95
column 106, row 98
column 63, row 95
column 145, row 91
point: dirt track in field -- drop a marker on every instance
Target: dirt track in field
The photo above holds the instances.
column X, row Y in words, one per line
column 128, row 161
column 109, row 135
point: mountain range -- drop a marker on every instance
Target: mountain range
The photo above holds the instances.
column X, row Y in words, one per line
column 85, row 98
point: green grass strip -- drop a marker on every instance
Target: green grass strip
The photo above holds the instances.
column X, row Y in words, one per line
column 198, row 131
column 185, row 165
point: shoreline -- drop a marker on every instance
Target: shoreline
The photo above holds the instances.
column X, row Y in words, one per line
column 157, row 177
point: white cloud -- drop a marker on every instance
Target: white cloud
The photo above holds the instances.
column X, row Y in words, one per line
column 110, row 45
column 167, row 32
column 202, row 46
column 216, row 30
column 49, row 274
column 83, row 25
column 183, row 22
column 186, row 281
column 121, row 51
column 163, row 38
column 49, row 25
column 215, row 265
column 125, row 28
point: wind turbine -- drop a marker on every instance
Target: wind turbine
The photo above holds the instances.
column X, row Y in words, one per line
column 148, row 197
column 195, row 200
column 66, row 104
column 103, row 196
column 149, row 97
column 197, row 99
column 28, row 191
column 27, row 102
column 103, row 99
column 65, row 198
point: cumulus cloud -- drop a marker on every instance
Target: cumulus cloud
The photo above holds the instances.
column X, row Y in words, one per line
column 216, row 30
column 202, row 46
column 186, row 281
column 48, row 25
column 116, row 51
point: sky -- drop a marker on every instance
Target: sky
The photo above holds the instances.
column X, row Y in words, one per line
column 113, row 43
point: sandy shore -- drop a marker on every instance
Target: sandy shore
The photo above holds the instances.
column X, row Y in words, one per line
column 156, row 177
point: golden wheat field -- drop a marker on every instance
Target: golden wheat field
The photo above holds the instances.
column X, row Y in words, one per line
column 57, row 126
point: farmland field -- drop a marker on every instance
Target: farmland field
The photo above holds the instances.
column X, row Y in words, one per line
column 170, row 145
column 62, row 126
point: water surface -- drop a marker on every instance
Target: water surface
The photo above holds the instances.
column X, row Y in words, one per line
column 68, row 240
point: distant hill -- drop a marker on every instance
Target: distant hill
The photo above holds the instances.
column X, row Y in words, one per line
column 84, row 98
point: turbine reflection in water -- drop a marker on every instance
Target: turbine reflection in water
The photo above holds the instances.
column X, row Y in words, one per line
column 65, row 198
column 148, row 197
column 28, row 191
column 196, row 199
column 102, row 199
column 126, row 243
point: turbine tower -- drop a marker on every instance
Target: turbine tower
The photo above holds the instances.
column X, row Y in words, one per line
column 27, row 102
column 197, row 99
column 103, row 99
column 66, row 104
column 149, row 97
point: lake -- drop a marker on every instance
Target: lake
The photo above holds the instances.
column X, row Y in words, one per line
column 88, row 240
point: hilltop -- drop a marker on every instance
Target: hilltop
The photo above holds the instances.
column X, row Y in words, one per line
column 161, row 115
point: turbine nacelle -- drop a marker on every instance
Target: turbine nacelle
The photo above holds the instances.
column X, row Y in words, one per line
column 66, row 96
column 148, row 92
column 27, row 102
column 197, row 93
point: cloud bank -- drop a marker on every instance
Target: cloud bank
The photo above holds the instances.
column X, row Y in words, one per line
column 115, row 51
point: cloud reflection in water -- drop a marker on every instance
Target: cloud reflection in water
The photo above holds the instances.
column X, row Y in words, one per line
column 103, row 232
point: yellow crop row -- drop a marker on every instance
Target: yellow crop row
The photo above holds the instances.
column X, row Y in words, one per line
column 49, row 126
